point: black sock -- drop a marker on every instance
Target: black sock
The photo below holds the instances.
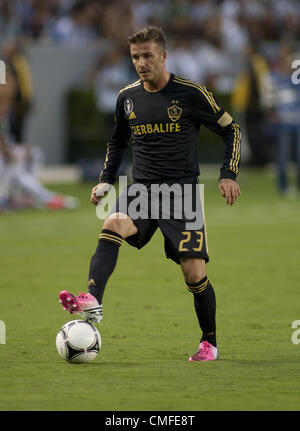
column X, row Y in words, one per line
column 103, row 262
column 205, row 307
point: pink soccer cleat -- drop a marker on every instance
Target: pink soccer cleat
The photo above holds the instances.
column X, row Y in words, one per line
column 84, row 304
column 206, row 352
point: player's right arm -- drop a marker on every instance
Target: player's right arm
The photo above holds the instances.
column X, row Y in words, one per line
column 114, row 153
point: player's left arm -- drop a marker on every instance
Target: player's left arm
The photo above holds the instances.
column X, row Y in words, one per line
column 216, row 119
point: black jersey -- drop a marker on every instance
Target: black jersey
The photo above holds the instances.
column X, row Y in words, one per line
column 164, row 126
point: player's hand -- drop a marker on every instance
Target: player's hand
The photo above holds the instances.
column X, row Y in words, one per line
column 99, row 191
column 230, row 190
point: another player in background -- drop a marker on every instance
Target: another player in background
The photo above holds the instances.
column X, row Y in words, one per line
column 19, row 186
column 163, row 113
column 11, row 53
column 7, row 92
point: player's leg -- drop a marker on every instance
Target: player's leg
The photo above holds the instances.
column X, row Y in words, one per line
column 197, row 282
column 31, row 187
column 186, row 249
column 4, row 186
column 116, row 227
column 189, row 249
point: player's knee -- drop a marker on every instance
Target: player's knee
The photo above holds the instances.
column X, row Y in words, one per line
column 118, row 223
column 194, row 278
column 114, row 224
column 193, row 270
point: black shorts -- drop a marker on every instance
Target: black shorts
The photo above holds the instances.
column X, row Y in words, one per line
column 176, row 209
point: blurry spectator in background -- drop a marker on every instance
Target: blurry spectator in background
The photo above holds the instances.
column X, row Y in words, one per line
column 37, row 17
column 247, row 99
column 233, row 28
column 200, row 11
column 109, row 75
column 285, row 116
column 6, row 95
column 146, row 12
column 23, row 96
column 19, row 186
column 176, row 18
column 183, row 59
column 10, row 22
column 117, row 20
column 215, row 64
column 79, row 27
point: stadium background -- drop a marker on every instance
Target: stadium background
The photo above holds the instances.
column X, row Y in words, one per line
column 77, row 62
column 78, row 58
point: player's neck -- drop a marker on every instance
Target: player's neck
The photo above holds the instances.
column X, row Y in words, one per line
column 159, row 84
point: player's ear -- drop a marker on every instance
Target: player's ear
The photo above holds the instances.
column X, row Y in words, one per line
column 164, row 56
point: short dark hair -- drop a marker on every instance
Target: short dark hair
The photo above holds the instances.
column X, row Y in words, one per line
column 147, row 34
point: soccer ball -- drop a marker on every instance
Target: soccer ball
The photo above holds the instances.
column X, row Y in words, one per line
column 78, row 342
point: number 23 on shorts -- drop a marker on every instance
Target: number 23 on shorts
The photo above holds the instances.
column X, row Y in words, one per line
column 187, row 239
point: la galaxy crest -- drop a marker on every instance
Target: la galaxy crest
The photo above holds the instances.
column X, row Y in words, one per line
column 174, row 112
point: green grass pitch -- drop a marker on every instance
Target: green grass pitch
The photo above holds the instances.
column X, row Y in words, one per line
column 149, row 326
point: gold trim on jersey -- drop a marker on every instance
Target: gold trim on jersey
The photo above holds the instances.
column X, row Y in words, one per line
column 208, row 95
column 134, row 84
column 236, row 151
column 105, row 163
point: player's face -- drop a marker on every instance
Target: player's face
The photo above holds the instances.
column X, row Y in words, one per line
column 149, row 60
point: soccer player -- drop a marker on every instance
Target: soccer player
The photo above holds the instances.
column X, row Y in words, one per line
column 163, row 113
column 19, row 186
